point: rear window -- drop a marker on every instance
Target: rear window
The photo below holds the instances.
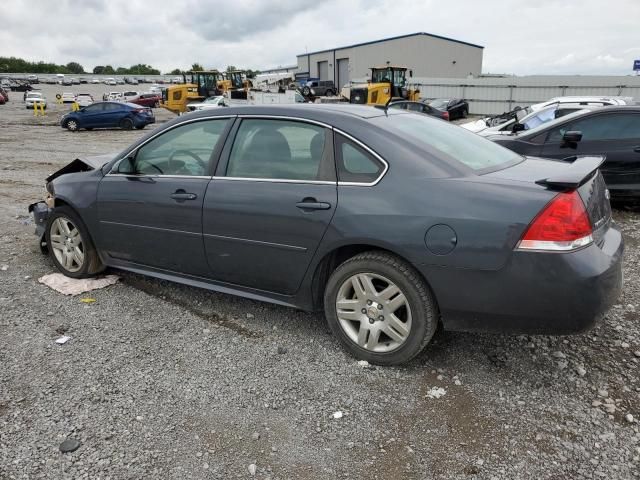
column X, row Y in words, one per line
column 450, row 140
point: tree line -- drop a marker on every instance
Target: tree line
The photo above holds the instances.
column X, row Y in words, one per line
column 19, row 65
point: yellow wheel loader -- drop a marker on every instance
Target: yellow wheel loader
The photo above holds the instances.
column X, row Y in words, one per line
column 235, row 84
column 196, row 87
column 387, row 83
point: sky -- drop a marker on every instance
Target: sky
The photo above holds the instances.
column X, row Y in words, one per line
column 550, row 37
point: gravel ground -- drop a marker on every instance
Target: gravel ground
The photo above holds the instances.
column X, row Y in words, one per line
column 164, row 381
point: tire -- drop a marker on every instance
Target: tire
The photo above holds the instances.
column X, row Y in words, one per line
column 126, row 124
column 140, row 127
column 465, row 112
column 330, row 93
column 76, row 249
column 409, row 316
column 89, row 128
column 306, row 91
column 72, row 125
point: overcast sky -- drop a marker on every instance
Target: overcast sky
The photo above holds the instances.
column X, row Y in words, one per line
column 521, row 37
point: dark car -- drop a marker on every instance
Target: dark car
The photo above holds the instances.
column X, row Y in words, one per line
column 420, row 107
column 610, row 131
column 150, row 100
column 319, row 88
column 108, row 115
column 390, row 221
column 456, row 107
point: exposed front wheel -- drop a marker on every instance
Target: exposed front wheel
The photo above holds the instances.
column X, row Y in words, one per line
column 72, row 125
column 380, row 308
column 70, row 246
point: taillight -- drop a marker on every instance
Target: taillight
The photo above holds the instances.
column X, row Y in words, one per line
column 563, row 225
column 445, row 116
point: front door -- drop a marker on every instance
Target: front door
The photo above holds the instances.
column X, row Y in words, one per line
column 150, row 205
column 270, row 204
column 92, row 115
column 614, row 134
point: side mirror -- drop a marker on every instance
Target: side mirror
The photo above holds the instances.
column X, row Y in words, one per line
column 572, row 137
column 517, row 127
column 125, row 166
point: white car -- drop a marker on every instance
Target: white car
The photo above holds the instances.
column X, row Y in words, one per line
column 84, row 99
column 129, row 95
column 211, row 102
column 119, row 81
column 526, row 119
column 95, row 80
column 110, row 81
column 585, row 101
column 35, row 97
column 114, row 96
column 68, row 97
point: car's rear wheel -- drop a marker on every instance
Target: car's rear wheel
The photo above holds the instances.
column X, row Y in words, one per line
column 126, row 124
column 140, row 127
column 465, row 112
column 71, row 125
column 70, row 246
column 380, row 308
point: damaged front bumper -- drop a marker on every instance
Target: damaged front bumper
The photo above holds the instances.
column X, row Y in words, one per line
column 41, row 211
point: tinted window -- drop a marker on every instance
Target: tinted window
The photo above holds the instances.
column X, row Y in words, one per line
column 613, row 126
column 278, row 149
column 111, row 107
column 449, row 141
column 94, row 108
column 184, row 150
column 356, row 164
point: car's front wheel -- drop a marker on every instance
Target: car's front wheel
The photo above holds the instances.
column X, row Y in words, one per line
column 70, row 246
column 380, row 308
column 72, row 125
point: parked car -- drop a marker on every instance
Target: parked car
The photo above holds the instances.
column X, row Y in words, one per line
column 112, row 96
column 150, row 100
column 68, row 97
column 210, row 102
column 129, row 95
column 455, row 107
column 110, row 81
column 392, row 222
column 5, row 93
column 95, row 80
column 610, row 131
column 585, row 101
column 84, row 99
column 319, row 88
column 20, row 87
column 66, row 81
column 119, row 81
column 35, row 97
column 533, row 119
column 32, row 79
column 108, row 115
column 420, row 107
column 3, row 99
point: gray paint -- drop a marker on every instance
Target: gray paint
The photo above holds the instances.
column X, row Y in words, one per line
column 254, row 242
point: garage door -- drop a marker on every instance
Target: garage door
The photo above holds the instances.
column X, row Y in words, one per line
column 323, row 70
column 343, row 72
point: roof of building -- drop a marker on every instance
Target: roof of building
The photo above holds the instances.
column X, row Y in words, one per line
column 393, row 38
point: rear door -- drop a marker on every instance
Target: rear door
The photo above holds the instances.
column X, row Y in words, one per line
column 270, row 203
column 614, row 134
column 112, row 114
column 150, row 208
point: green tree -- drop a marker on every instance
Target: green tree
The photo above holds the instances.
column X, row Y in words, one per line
column 108, row 70
column 98, row 69
column 175, row 71
column 74, row 67
column 231, row 68
column 122, row 71
column 196, row 67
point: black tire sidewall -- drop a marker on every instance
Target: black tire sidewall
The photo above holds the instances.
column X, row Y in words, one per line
column 126, row 124
column 421, row 325
column 89, row 249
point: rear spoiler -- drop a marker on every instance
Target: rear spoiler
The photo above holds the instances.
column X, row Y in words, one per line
column 580, row 171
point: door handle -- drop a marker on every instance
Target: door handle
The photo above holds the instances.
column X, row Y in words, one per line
column 181, row 196
column 312, row 204
column 636, row 149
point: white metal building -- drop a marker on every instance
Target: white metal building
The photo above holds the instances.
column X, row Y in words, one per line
column 425, row 54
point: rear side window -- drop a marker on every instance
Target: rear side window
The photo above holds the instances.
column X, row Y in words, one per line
column 612, row 126
column 355, row 164
column 280, row 149
column 450, row 142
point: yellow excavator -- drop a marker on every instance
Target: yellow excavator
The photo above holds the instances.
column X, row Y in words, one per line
column 387, row 83
column 196, row 86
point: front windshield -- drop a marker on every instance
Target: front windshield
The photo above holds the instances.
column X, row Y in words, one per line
column 449, row 142
column 541, row 116
column 380, row 75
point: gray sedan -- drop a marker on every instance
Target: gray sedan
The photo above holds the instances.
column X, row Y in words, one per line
column 391, row 222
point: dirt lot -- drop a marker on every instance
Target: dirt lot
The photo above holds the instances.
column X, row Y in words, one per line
column 164, row 381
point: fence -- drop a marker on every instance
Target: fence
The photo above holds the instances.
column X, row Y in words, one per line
column 493, row 95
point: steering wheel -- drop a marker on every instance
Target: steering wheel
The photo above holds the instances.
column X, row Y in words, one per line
column 190, row 154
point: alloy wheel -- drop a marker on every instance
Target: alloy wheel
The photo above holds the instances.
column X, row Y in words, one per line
column 67, row 245
column 373, row 312
column 72, row 125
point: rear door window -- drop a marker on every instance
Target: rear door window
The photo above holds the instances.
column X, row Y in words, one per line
column 280, row 150
column 611, row 126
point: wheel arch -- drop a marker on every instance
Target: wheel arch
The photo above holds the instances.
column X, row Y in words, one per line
column 335, row 257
